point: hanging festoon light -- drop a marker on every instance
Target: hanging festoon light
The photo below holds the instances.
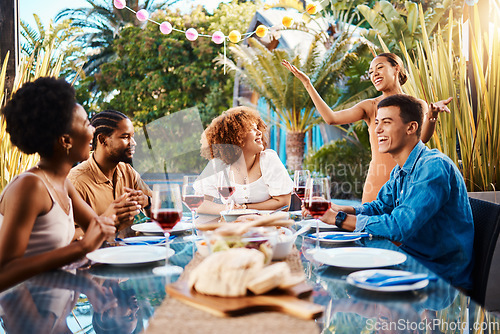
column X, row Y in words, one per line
column 165, row 28
column 261, row 30
column 120, row 4
column 142, row 15
column 287, row 21
column 191, row 34
column 312, row 8
column 234, row 36
column 218, row 37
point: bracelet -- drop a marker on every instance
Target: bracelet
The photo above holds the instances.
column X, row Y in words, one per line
column 244, row 206
column 432, row 119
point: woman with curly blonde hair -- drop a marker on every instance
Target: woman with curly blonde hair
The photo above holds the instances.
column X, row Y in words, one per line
column 238, row 138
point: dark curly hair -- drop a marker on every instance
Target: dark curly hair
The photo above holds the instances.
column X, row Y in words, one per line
column 105, row 122
column 38, row 113
column 394, row 60
column 226, row 134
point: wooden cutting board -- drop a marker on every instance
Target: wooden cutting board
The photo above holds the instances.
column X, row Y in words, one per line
column 286, row 302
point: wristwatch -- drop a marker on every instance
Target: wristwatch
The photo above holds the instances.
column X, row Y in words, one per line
column 340, row 218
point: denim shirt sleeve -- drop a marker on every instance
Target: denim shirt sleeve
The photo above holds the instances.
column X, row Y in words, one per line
column 426, row 189
column 382, row 205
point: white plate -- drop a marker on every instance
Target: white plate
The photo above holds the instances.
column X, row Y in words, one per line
column 152, row 239
column 130, row 255
column 323, row 234
column 359, row 257
column 357, row 278
column 322, row 225
column 153, row 228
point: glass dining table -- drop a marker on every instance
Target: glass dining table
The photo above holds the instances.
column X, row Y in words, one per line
column 98, row 298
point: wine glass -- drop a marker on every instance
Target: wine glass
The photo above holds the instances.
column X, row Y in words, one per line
column 226, row 185
column 166, row 209
column 317, row 200
column 300, row 178
column 192, row 196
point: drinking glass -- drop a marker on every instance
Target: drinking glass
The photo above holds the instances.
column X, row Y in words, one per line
column 192, row 196
column 226, row 185
column 317, row 200
column 300, row 178
column 166, row 209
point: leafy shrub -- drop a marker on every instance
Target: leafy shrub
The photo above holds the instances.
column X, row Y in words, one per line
column 345, row 162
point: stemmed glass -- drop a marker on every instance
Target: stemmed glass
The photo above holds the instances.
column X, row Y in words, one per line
column 226, row 185
column 166, row 209
column 317, row 200
column 191, row 195
column 300, row 178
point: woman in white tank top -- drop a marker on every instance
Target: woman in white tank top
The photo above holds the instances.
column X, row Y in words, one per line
column 236, row 141
column 39, row 207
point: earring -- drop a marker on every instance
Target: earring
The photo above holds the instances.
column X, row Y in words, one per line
column 67, row 149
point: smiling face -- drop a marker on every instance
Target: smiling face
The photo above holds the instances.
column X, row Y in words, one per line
column 120, row 144
column 253, row 143
column 383, row 74
column 392, row 132
column 81, row 133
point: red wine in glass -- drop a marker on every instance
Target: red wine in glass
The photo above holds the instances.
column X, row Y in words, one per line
column 226, row 191
column 300, row 191
column 167, row 218
column 317, row 207
column 193, row 201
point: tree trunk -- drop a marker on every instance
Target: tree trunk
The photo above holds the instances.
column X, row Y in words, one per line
column 295, row 149
column 9, row 23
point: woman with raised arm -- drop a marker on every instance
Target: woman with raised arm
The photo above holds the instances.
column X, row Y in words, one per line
column 387, row 74
column 38, row 208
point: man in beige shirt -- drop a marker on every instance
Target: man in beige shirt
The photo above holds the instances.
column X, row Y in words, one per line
column 106, row 176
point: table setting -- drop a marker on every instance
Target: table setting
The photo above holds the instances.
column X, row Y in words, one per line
column 308, row 274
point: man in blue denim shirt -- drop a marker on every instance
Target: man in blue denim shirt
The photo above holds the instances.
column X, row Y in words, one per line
column 424, row 205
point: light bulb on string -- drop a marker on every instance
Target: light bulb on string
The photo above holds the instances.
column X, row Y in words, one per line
column 191, row 34
column 287, row 21
column 234, row 36
column 142, row 15
column 261, row 31
column 166, row 28
column 120, row 4
column 218, row 37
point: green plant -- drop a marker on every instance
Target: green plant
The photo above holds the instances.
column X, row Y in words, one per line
column 401, row 23
column 12, row 160
column 438, row 70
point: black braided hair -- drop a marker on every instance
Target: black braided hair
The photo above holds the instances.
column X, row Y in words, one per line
column 105, row 123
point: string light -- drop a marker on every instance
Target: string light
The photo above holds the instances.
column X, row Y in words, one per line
column 217, row 37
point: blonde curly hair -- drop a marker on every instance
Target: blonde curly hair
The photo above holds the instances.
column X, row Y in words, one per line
column 224, row 137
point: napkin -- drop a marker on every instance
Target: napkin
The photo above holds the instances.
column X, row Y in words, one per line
column 154, row 241
column 380, row 280
column 341, row 236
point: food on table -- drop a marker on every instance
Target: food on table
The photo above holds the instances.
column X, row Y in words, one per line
column 269, row 278
column 227, row 274
column 231, row 273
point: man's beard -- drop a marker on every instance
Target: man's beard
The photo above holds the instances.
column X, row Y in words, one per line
column 123, row 157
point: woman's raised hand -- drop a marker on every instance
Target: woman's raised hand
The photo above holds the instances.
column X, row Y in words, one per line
column 440, row 106
column 295, row 71
column 100, row 228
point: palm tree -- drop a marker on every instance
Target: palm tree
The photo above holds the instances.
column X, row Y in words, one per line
column 56, row 37
column 261, row 69
column 101, row 23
